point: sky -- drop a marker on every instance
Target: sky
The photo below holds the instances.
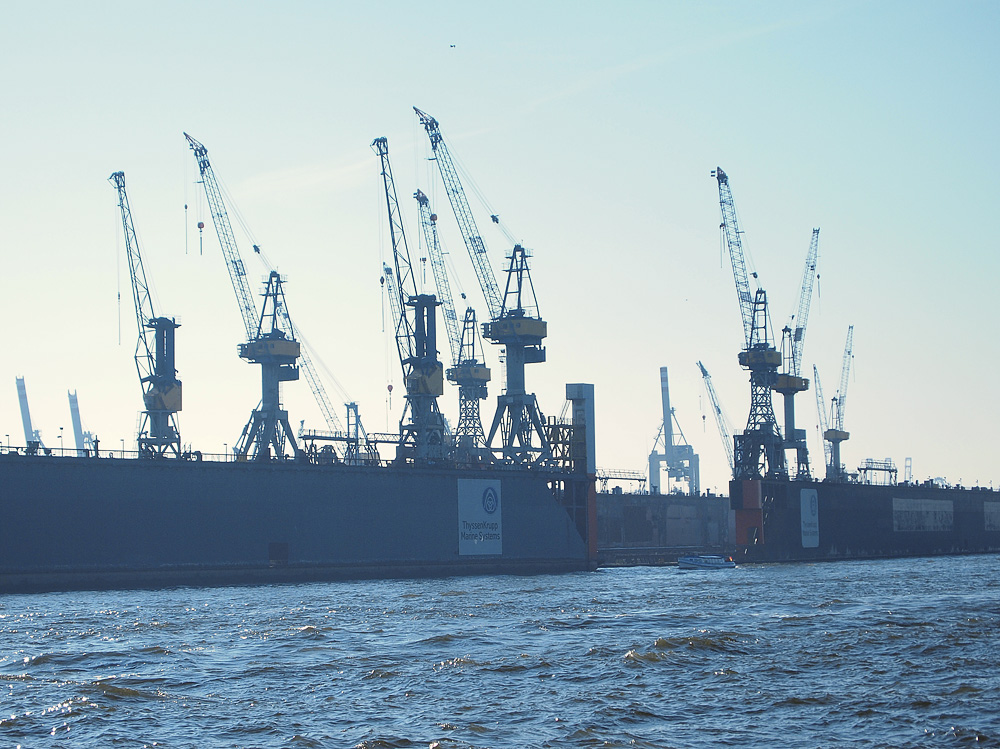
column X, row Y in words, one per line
column 592, row 129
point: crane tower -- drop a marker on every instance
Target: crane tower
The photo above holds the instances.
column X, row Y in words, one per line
column 271, row 340
column 791, row 380
column 759, row 451
column 422, row 438
column 159, row 435
column 836, row 434
column 515, row 322
column 468, row 372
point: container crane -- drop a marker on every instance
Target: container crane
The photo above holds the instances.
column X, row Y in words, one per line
column 515, row 322
column 791, row 380
column 759, row 451
column 32, row 437
column 422, row 437
column 275, row 349
column 680, row 458
column 836, row 434
column 721, row 420
column 159, row 435
column 85, row 441
column 468, row 372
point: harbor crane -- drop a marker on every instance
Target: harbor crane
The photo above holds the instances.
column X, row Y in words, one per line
column 791, row 380
column 835, row 435
column 422, row 438
column 515, row 322
column 468, row 372
column 159, row 435
column 32, row 437
column 759, row 451
column 271, row 341
column 85, row 441
column 823, row 424
column 679, row 457
column 721, row 420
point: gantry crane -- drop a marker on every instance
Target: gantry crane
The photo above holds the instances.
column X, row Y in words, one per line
column 270, row 342
column 680, row 458
column 32, row 437
column 721, row 420
column 85, row 441
column 468, row 372
column 515, row 322
column 836, row 434
column 158, row 435
column 791, row 380
column 422, row 437
column 759, row 450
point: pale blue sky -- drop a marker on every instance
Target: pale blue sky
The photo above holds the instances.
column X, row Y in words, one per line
column 592, row 128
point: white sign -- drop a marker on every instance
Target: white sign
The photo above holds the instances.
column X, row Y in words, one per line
column 910, row 514
column 480, row 517
column 809, row 504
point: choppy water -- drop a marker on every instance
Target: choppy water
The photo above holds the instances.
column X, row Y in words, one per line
column 875, row 653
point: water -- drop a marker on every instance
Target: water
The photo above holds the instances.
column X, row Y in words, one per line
column 876, row 653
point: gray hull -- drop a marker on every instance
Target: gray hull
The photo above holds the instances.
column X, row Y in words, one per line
column 70, row 523
column 794, row 520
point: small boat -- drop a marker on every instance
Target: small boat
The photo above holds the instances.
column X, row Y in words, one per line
column 705, row 562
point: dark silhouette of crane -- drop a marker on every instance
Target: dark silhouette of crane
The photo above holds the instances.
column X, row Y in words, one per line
column 467, row 371
column 515, row 322
column 791, row 380
column 159, row 435
column 270, row 338
column 422, row 438
column 759, row 451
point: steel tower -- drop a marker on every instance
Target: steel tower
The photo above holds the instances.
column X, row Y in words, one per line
column 159, row 435
column 759, row 451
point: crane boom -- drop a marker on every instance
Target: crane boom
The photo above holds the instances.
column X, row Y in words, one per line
column 422, row 439
column 404, row 283
column 143, row 304
column 759, row 450
column 224, row 230
column 721, row 420
column 805, row 301
column 845, row 371
column 463, row 214
column 154, row 353
column 428, row 220
column 821, row 409
column 732, row 233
